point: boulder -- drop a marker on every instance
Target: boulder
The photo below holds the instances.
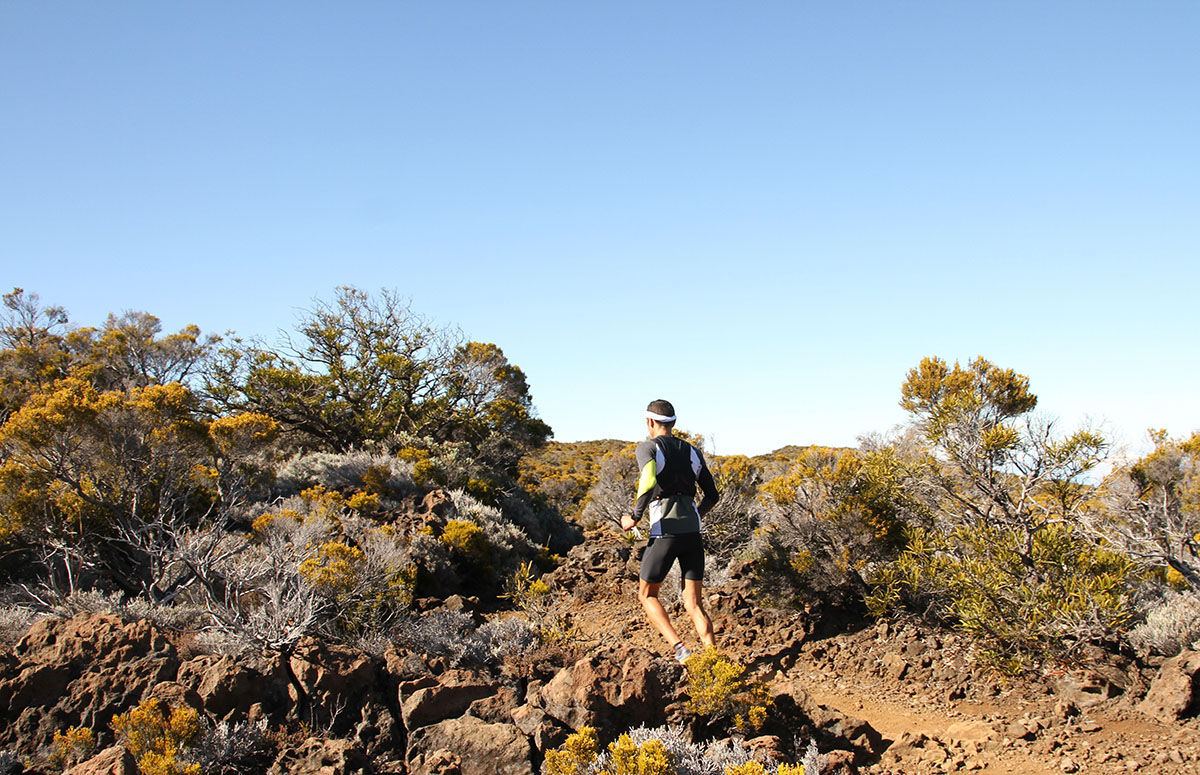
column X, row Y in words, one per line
column 111, row 761
column 335, row 686
column 979, row 732
column 330, row 670
column 615, row 689
column 439, row 702
column 546, row 732
column 321, row 757
column 894, row 666
column 496, row 708
column 481, row 748
column 1175, row 691
column 1085, row 688
column 173, row 694
column 228, row 687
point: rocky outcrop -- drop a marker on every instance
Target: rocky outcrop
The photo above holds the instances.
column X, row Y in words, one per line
column 111, row 761
column 448, row 697
column 78, row 672
column 481, row 748
column 1175, row 693
column 230, row 688
column 316, row 756
column 619, row 688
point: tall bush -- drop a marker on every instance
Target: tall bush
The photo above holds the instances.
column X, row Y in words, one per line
column 1004, row 555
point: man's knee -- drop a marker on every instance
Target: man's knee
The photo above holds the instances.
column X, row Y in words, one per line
column 647, row 590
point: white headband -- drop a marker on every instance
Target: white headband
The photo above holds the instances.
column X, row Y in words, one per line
column 659, row 417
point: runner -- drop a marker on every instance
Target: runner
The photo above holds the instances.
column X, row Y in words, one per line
column 670, row 470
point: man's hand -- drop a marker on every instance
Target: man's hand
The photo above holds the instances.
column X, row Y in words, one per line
column 628, row 523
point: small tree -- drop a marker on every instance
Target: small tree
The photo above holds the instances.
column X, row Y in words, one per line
column 1006, row 503
column 366, row 369
column 612, row 494
column 34, row 349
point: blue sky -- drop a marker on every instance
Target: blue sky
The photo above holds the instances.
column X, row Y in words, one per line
column 764, row 212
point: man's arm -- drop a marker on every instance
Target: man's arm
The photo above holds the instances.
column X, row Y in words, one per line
column 647, row 481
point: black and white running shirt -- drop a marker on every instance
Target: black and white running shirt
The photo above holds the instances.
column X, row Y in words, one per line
column 670, row 470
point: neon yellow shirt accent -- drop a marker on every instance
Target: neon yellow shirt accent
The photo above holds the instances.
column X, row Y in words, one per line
column 648, row 480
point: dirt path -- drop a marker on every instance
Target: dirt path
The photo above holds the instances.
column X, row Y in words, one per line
column 936, row 717
column 971, row 736
column 965, row 729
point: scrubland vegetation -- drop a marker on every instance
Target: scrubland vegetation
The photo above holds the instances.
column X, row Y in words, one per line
column 252, row 495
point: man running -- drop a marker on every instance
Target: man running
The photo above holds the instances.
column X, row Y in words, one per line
column 670, row 470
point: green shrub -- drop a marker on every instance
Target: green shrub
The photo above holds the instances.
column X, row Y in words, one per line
column 1017, row 601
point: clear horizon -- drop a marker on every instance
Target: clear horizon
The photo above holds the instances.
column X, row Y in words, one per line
column 764, row 214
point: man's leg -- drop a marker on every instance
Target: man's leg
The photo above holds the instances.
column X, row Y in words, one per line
column 648, row 595
column 693, row 603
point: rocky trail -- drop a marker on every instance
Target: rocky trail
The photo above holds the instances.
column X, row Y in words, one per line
column 882, row 698
column 935, row 712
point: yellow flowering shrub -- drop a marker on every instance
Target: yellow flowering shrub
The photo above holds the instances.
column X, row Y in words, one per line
column 426, row 473
column 749, row 768
column 574, row 755
column 242, row 431
column 160, row 738
column 649, row 758
column 362, row 501
column 718, row 687
column 72, row 746
column 335, row 568
column 468, row 542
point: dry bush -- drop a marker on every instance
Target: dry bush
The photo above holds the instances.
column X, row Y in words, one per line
column 1151, row 509
column 442, row 633
column 672, row 752
column 346, row 471
column 612, row 494
column 1170, row 626
column 15, row 617
column 508, row 638
column 230, row 747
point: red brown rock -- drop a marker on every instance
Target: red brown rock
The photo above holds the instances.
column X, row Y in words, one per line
column 111, row 761
column 316, row 756
column 482, row 748
column 78, row 672
column 437, row 703
column 1175, row 692
column 620, row 688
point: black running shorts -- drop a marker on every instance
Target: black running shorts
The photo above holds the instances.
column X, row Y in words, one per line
column 662, row 552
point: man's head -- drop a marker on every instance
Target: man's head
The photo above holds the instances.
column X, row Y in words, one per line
column 660, row 417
